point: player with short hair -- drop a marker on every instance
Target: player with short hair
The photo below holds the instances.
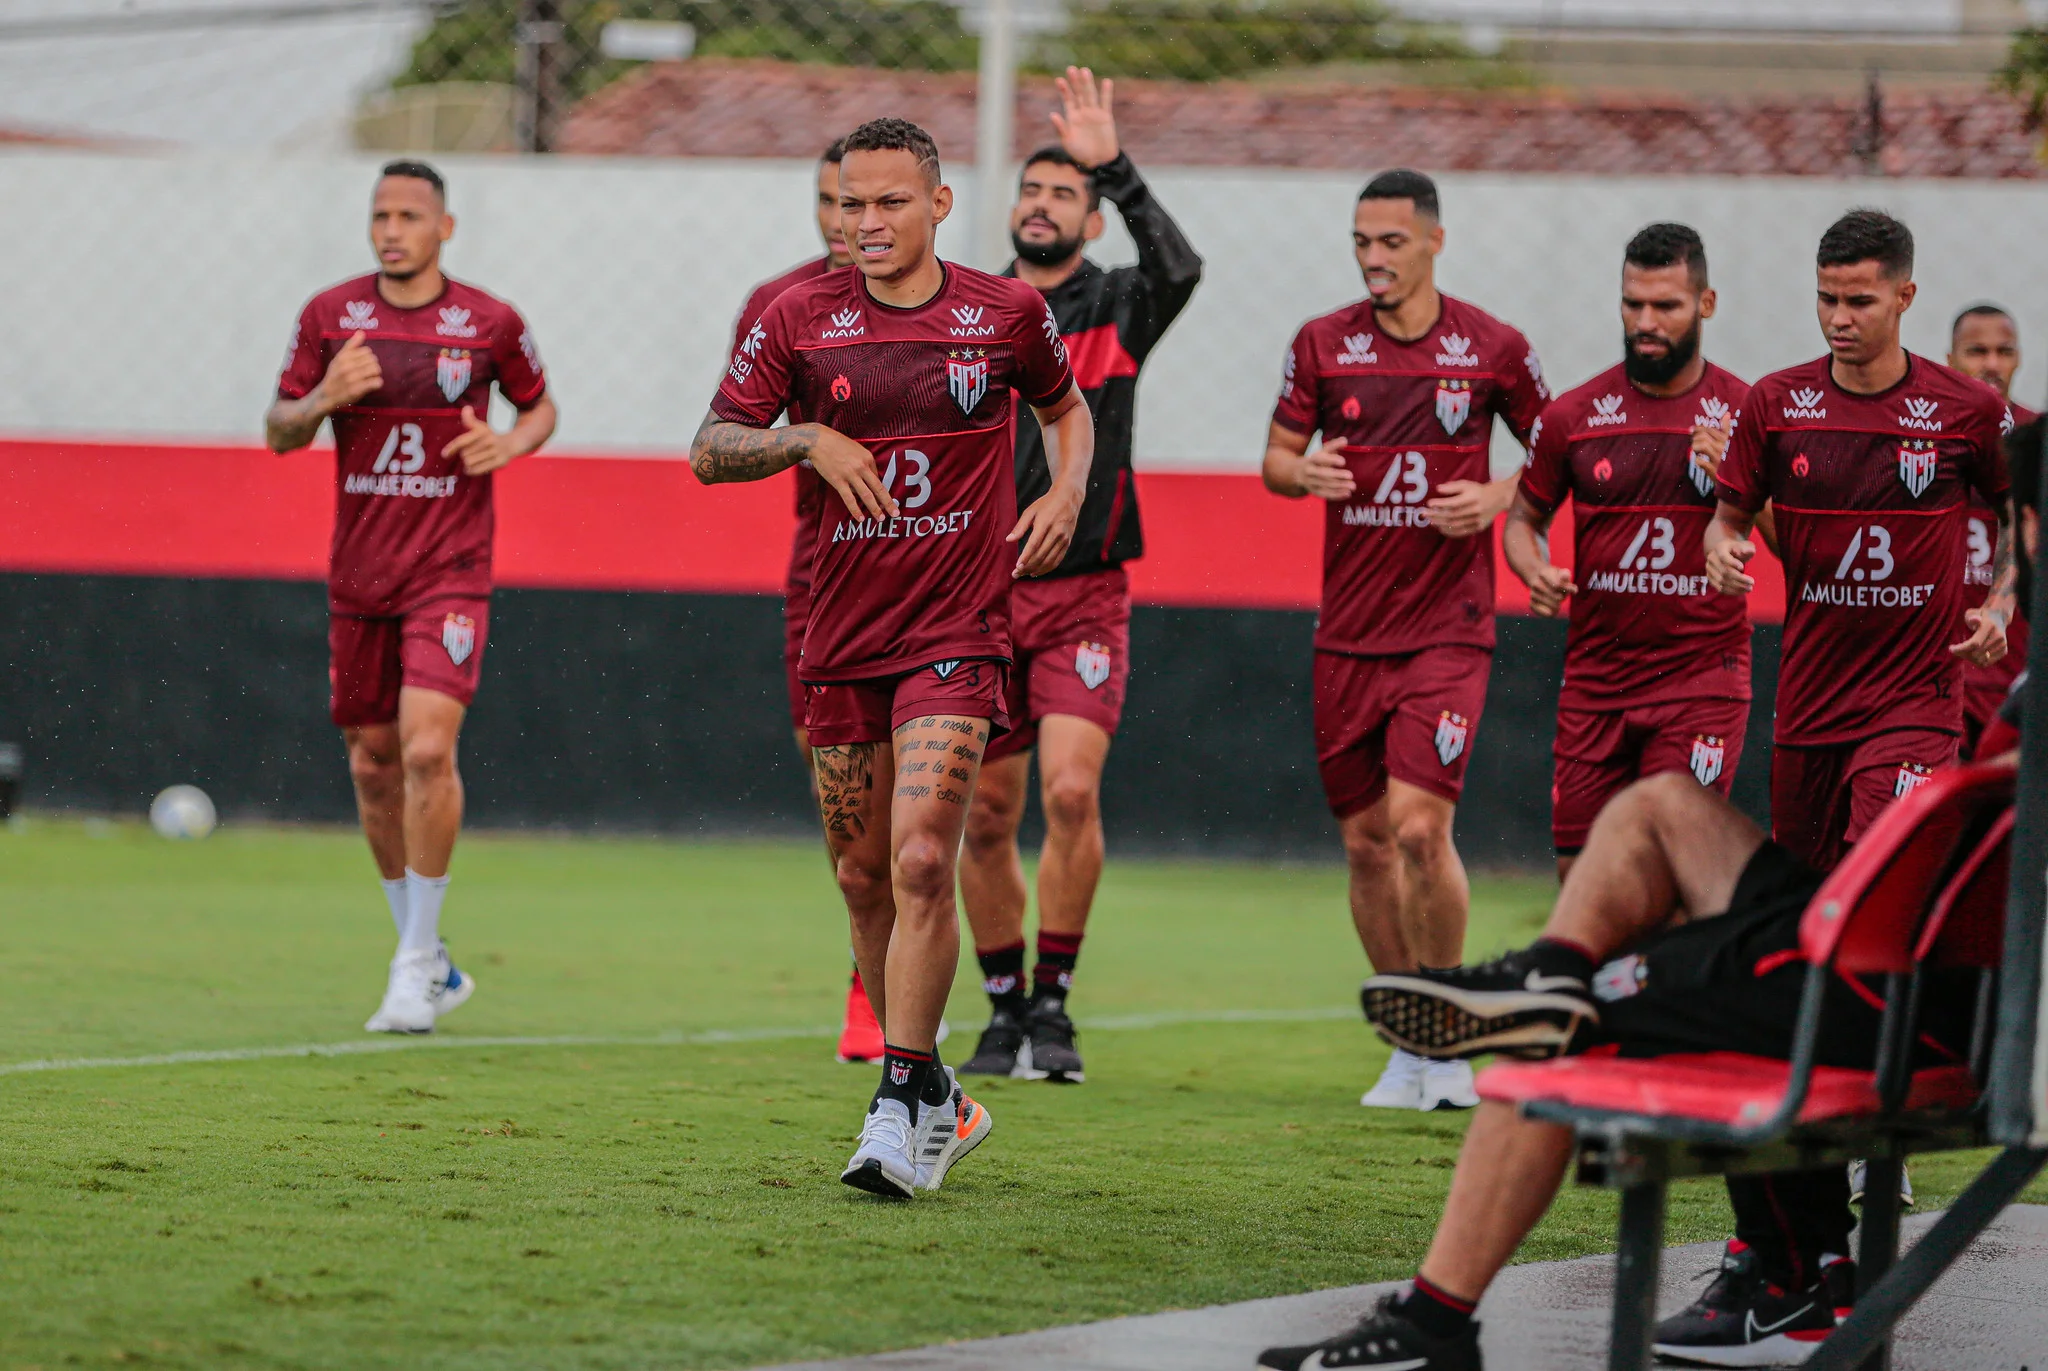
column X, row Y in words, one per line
column 902, row 370
column 860, row 1037
column 1404, row 387
column 1984, row 342
column 1868, row 456
column 1656, row 674
column 1072, row 625
column 402, row 363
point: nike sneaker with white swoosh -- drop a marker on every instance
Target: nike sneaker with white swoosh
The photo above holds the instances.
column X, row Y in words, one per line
column 1744, row 1320
column 1383, row 1339
column 1512, row 1005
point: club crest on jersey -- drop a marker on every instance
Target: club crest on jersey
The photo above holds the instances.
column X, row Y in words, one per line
column 1920, row 414
column 1607, row 410
column 1091, row 664
column 1805, row 404
column 1603, row 470
column 1456, row 351
column 1912, row 776
column 358, row 314
column 452, row 373
column 1453, row 403
column 1451, row 732
column 967, row 377
column 1357, row 351
column 1350, row 409
column 1800, row 466
column 458, row 635
column 1709, row 755
column 842, row 389
column 1918, row 459
column 455, row 323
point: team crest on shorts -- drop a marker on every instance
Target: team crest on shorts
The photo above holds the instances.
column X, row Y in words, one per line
column 1918, row 459
column 1709, row 755
column 1091, row 664
column 452, row 371
column 1912, row 776
column 967, row 377
column 1451, row 732
column 1453, row 404
column 458, row 635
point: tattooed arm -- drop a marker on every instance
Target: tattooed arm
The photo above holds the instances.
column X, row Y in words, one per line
column 725, row 451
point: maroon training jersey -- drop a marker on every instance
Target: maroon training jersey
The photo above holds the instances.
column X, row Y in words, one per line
column 1413, row 416
column 409, row 524
column 1871, row 500
column 927, row 390
column 1980, row 543
column 1646, row 628
column 809, row 489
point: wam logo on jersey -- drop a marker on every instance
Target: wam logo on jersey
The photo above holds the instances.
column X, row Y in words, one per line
column 1457, row 351
column 455, row 323
column 1918, row 460
column 967, row 377
column 1709, row 755
column 1607, row 410
column 1357, row 351
column 452, row 372
column 1453, row 404
column 845, row 324
column 1805, row 404
column 358, row 314
column 1451, row 732
column 458, row 635
column 1091, row 664
column 1912, row 776
column 1714, row 412
column 1920, row 414
column 967, row 322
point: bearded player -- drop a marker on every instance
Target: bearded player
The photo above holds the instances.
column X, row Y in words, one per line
column 1072, row 625
column 1656, row 673
column 1403, row 387
column 902, row 369
column 1869, row 455
column 860, row 1037
column 1984, row 343
column 402, row 363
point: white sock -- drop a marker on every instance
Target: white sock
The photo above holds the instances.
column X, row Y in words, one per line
column 423, row 927
column 399, row 897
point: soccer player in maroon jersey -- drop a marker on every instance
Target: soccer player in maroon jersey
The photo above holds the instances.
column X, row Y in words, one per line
column 902, row 369
column 1868, row 455
column 1656, row 674
column 1071, row 627
column 1984, row 342
column 1404, row 387
column 860, row 1036
column 402, row 362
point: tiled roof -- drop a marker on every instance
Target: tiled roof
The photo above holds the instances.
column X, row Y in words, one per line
column 734, row 108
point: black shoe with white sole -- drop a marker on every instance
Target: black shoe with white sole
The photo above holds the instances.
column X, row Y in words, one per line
column 1744, row 1320
column 1053, row 1054
column 1513, row 1005
column 1385, row 1339
column 996, row 1053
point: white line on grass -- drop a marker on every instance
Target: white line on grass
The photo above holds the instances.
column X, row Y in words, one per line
column 709, row 1037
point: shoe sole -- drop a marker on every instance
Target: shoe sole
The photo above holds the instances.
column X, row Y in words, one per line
column 1777, row 1350
column 374, row 1027
column 870, row 1176
column 963, row 1143
column 1447, row 1024
column 448, row 1001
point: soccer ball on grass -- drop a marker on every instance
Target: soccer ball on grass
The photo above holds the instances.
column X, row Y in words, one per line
column 182, row 811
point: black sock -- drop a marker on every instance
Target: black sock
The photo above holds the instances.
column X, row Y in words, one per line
column 1557, row 957
column 937, row 1089
column 904, row 1070
column 1435, row 1311
column 1002, row 977
column 1053, row 977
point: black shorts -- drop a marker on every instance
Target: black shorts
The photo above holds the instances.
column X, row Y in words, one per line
column 1732, row 983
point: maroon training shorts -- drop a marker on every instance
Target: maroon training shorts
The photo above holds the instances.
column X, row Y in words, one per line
column 438, row 646
column 1412, row 718
column 1599, row 753
column 1823, row 798
column 841, row 712
column 1071, row 637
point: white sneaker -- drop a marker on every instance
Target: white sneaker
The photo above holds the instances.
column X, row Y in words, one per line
column 1400, row 1085
column 947, row 1132
column 1857, row 1171
column 884, row 1164
column 1448, row 1085
column 417, row 979
column 456, row 988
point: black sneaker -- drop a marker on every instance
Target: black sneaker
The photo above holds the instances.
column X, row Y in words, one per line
column 1509, row 1005
column 1838, row 1279
column 1383, row 1338
column 996, row 1053
column 1744, row 1320
column 1051, row 1055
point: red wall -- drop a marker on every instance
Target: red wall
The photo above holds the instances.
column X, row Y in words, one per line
column 609, row 523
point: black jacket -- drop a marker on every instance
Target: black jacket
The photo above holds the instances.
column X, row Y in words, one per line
column 1111, row 320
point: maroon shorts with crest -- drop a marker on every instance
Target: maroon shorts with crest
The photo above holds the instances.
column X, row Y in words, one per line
column 1412, row 718
column 437, row 646
column 1823, row 798
column 841, row 712
column 1600, row 752
column 1072, row 640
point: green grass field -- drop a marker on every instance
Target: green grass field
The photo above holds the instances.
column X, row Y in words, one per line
column 650, row 1179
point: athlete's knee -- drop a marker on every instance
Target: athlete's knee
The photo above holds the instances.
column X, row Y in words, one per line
column 992, row 822
column 864, row 883
column 1370, row 847
column 429, row 753
column 1072, row 803
column 924, row 868
column 1424, row 836
column 1667, row 802
column 373, row 762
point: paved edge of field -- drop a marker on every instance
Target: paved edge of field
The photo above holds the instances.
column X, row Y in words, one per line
column 1988, row 1313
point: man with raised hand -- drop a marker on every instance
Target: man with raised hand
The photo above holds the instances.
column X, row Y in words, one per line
column 1072, row 625
column 1404, row 387
column 903, row 372
column 403, row 362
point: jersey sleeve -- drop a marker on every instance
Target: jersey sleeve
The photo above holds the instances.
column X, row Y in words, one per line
column 1546, row 475
column 750, row 314
column 1043, row 372
column 1300, row 405
column 1741, row 479
column 1984, row 467
column 303, row 363
column 756, row 384
column 520, row 374
column 1523, row 394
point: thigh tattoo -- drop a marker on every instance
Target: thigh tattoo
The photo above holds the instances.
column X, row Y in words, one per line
column 846, row 776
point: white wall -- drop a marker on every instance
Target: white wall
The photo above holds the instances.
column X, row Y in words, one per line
column 153, row 296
